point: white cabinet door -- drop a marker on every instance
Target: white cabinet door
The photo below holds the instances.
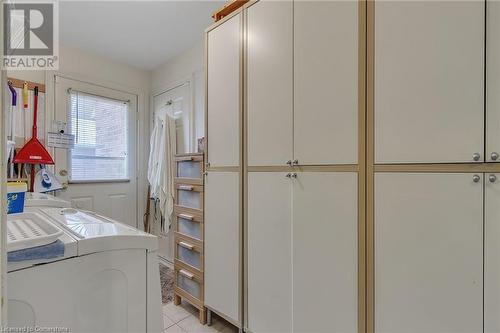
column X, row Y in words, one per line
column 223, row 93
column 269, row 82
column 492, row 254
column 429, row 81
column 325, row 82
column 269, row 255
column 325, row 252
column 222, row 243
column 428, row 253
column 493, row 81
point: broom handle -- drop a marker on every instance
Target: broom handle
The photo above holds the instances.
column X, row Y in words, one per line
column 32, row 178
column 35, row 113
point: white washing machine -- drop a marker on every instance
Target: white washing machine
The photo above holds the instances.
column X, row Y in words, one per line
column 107, row 281
column 33, row 199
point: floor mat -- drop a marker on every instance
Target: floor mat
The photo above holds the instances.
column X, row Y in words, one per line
column 167, row 284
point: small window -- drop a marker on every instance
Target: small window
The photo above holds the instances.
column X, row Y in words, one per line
column 100, row 127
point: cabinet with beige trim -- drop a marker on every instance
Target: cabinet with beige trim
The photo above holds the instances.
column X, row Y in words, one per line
column 223, row 177
column 492, row 253
column 492, row 81
column 325, row 69
column 302, row 251
column 302, row 92
column 428, row 252
column 223, row 52
column 223, row 244
column 269, row 85
column 429, row 81
column 292, row 176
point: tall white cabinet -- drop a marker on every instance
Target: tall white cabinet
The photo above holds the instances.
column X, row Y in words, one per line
column 269, row 255
column 428, row 252
column 492, row 82
column 223, row 177
column 492, row 254
column 324, row 251
column 325, row 109
column 302, row 94
column 429, row 81
column 302, row 83
column 302, row 252
column 269, row 91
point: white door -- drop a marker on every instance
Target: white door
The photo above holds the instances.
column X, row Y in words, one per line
column 325, row 82
column 493, row 81
column 428, row 252
column 429, row 81
column 324, row 256
column 224, row 97
column 492, row 254
column 222, row 243
column 101, row 169
column 269, row 236
column 178, row 101
column 269, row 82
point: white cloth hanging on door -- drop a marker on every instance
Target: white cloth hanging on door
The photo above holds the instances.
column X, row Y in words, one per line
column 161, row 164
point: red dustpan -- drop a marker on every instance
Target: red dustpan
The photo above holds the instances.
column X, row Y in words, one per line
column 33, row 152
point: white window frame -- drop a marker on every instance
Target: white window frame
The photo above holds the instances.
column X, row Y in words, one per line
column 129, row 163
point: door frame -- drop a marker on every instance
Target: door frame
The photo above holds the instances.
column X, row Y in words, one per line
column 171, row 85
column 141, row 133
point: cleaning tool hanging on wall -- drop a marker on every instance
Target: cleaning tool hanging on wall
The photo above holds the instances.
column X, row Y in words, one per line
column 11, row 142
column 26, row 95
column 33, row 152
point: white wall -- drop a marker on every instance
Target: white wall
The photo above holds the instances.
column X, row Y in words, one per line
column 187, row 65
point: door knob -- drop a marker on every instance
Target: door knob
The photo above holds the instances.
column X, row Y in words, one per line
column 295, row 162
column 288, row 175
column 476, row 178
column 494, row 156
column 476, row 156
column 294, row 175
column 492, row 178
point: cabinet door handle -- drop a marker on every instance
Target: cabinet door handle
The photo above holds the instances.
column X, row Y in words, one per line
column 185, row 187
column 492, row 178
column 476, row 178
column 186, row 245
column 494, row 156
column 288, row 175
column 294, row 175
column 186, row 274
column 186, row 217
column 476, row 156
column 295, row 162
column 289, row 162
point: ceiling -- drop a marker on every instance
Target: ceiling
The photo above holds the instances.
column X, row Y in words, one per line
column 143, row 34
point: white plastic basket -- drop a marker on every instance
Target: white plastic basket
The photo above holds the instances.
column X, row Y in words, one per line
column 28, row 229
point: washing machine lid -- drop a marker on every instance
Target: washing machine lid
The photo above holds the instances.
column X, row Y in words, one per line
column 70, row 246
column 33, row 199
column 96, row 233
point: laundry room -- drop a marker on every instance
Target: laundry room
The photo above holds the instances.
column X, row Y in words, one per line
column 91, row 149
column 259, row 166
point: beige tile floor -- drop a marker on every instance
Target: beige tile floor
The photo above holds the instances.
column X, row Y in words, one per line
column 184, row 319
